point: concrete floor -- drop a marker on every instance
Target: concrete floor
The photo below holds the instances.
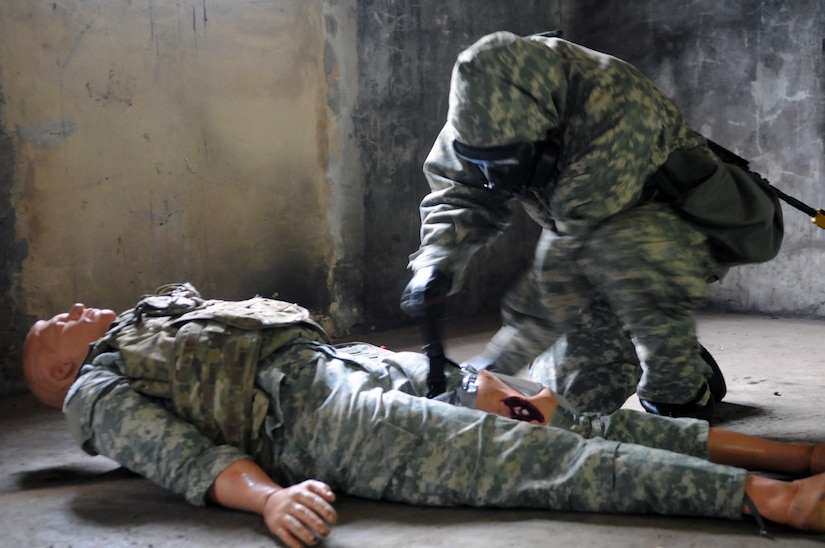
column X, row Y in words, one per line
column 52, row 494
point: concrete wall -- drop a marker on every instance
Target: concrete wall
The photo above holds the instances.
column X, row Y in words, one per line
column 165, row 141
column 276, row 147
column 407, row 52
column 249, row 147
column 751, row 76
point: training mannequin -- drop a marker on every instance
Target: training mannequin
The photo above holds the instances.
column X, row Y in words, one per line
column 352, row 420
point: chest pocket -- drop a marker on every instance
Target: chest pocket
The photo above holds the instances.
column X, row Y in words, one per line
column 212, row 383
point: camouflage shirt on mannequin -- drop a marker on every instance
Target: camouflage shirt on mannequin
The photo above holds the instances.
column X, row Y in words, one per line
column 353, row 417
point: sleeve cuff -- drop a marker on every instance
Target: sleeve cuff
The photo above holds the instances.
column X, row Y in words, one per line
column 205, row 469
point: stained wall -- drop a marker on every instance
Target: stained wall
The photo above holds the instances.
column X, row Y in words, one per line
column 248, row 147
column 275, row 147
column 751, row 76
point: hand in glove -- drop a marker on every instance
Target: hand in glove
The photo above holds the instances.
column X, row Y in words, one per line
column 427, row 290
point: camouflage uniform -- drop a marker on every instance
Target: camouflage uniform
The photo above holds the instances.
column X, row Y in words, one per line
column 616, row 273
column 353, row 417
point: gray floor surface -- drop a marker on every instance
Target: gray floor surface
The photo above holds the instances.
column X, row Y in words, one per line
column 53, row 494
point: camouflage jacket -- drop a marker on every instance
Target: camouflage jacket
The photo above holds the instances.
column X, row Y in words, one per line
column 613, row 126
column 170, row 391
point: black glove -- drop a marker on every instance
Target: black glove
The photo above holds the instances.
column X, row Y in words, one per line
column 427, row 290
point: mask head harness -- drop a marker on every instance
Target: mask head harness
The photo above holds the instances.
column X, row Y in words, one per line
column 511, row 169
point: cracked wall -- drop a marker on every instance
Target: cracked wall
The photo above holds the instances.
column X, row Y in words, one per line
column 276, row 147
column 163, row 141
column 751, row 76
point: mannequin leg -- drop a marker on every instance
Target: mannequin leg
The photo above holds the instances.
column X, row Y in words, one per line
column 743, row 451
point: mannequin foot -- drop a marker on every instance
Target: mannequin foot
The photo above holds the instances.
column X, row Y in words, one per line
column 807, row 508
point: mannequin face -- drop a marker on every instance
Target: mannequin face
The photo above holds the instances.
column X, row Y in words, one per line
column 55, row 349
column 496, row 396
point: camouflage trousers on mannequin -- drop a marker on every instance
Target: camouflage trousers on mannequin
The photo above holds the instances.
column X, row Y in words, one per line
column 344, row 426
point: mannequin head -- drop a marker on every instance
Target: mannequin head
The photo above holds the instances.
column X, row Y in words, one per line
column 55, row 349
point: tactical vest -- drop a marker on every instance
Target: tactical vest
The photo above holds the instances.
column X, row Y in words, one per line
column 202, row 355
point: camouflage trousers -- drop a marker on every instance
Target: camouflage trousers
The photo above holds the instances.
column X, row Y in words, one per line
column 623, row 312
column 357, row 424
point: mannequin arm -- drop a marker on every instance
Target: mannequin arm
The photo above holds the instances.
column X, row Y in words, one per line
column 297, row 514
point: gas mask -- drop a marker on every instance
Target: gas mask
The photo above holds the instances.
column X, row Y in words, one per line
column 511, row 169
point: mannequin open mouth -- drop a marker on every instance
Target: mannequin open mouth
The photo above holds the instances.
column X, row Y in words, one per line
column 522, row 410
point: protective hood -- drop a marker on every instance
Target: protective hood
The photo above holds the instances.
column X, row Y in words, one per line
column 505, row 90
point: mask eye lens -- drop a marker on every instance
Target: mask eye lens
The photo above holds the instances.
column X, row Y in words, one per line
column 526, row 152
column 506, row 169
column 500, row 177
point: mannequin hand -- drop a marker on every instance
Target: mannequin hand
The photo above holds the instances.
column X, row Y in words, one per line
column 428, row 288
column 299, row 514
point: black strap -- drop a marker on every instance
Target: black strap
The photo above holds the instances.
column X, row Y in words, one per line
column 732, row 158
column 434, row 349
column 763, row 531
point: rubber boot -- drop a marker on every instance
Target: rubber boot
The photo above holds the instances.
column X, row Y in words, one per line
column 701, row 407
